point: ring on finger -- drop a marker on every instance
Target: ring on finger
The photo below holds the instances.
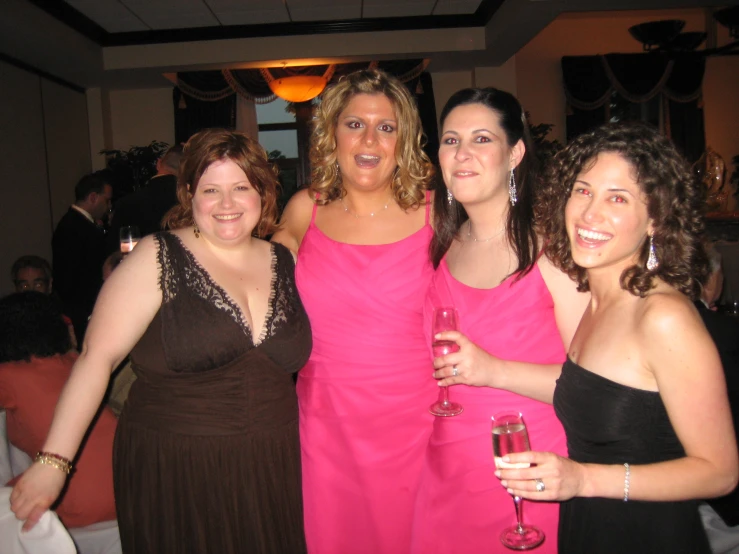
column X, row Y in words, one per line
column 539, row 485
column 455, row 371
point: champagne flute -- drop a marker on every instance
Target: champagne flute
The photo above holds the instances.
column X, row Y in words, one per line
column 129, row 236
column 445, row 319
column 510, row 435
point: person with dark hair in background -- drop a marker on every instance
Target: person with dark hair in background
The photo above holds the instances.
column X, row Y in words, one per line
column 512, row 303
column 721, row 515
column 35, row 362
column 146, row 207
column 361, row 234
column 78, row 249
column 642, row 395
column 207, row 452
column 31, row 273
column 34, row 273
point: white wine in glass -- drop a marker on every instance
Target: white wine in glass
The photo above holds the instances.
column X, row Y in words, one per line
column 509, row 436
column 445, row 319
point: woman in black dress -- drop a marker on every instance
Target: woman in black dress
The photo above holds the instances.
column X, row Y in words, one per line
column 642, row 395
column 207, row 454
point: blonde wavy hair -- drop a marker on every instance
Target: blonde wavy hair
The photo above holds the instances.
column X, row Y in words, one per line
column 414, row 171
column 213, row 145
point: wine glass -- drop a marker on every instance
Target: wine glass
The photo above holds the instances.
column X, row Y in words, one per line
column 445, row 319
column 130, row 236
column 510, row 435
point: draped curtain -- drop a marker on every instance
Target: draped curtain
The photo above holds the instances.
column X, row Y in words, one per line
column 209, row 98
column 620, row 86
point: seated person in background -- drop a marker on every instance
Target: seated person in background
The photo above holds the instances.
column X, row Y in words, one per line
column 35, row 362
column 34, row 273
column 721, row 515
column 31, row 273
column 146, row 207
column 123, row 377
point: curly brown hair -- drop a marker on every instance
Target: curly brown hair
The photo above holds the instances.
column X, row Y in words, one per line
column 414, row 172
column 212, row 145
column 673, row 198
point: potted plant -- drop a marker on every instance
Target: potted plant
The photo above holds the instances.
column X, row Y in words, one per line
column 132, row 168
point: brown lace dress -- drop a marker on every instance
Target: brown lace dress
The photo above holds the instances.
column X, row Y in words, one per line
column 207, row 455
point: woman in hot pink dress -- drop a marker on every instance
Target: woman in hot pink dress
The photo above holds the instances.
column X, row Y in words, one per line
column 512, row 303
column 362, row 238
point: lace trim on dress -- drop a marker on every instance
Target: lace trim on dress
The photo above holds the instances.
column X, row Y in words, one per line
column 167, row 275
column 284, row 294
column 197, row 279
column 273, row 286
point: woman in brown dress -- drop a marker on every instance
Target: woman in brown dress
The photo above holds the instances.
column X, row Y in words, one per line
column 207, row 456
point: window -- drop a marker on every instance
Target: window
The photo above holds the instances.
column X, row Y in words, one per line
column 283, row 132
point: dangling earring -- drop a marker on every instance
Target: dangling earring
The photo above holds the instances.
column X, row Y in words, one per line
column 652, row 261
column 196, row 230
column 512, row 190
column 449, row 197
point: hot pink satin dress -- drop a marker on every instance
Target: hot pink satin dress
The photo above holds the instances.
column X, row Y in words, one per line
column 364, row 394
column 462, row 506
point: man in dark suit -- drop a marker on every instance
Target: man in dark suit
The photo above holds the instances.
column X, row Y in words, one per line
column 722, row 521
column 78, row 249
column 146, row 207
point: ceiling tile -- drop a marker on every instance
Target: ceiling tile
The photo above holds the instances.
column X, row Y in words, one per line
column 111, row 15
column 449, row 7
column 172, row 14
column 324, row 10
column 251, row 12
column 385, row 8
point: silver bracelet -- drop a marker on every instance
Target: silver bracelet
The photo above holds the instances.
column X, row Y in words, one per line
column 626, row 482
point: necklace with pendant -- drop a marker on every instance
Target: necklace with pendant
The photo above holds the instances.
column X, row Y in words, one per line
column 357, row 216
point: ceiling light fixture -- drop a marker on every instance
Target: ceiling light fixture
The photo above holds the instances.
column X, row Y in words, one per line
column 655, row 34
column 298, row 87
column 729, row 17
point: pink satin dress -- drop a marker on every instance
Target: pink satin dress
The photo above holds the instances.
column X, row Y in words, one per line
column 462, row 506
column 364, row 394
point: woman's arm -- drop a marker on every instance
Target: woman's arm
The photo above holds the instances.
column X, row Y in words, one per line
column 126, row 305
column 569, row 304
column 295, row 220
column 680, row 353
column 478, row 368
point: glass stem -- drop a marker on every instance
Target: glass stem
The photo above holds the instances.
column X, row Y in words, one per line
column 444, row 396
column 518, row 501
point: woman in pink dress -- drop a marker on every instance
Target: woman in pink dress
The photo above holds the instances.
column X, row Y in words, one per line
column 362, row 234
column 512, row 304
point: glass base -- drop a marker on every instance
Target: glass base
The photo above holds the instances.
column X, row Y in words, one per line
column 446, row 409
column 525, row 538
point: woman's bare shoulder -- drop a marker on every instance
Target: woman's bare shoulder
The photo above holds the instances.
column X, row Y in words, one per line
column 295, row 220
column 667, row 316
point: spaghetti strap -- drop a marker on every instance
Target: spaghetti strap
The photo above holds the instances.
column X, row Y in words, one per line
column 315, row 209
column 541, row 250
column 428, row 206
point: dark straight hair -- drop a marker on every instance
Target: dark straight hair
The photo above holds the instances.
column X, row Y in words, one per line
column 520, row 225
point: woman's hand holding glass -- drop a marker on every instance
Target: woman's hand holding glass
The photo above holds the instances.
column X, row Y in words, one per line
column 561, row 477
column 475, row 367
column 36, row 490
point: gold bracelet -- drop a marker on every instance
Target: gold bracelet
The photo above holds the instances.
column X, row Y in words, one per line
column 54, row 460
